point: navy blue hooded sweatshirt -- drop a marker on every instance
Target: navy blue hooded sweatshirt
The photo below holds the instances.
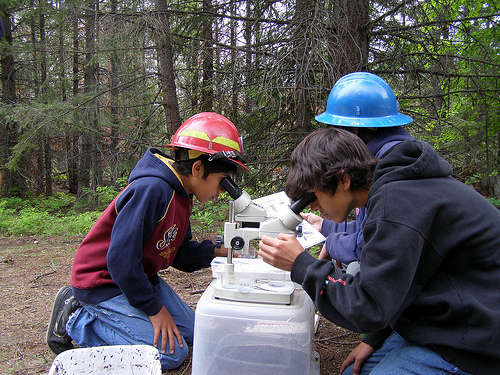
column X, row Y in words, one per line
column 430, row 267
column 145, row 229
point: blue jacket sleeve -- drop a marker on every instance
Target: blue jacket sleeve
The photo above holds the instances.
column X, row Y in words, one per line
column 344, row 242
column 193, row 255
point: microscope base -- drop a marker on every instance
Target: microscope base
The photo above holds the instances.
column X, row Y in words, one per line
column 261, row 292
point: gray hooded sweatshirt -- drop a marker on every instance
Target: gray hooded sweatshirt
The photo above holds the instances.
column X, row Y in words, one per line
column 430, row 267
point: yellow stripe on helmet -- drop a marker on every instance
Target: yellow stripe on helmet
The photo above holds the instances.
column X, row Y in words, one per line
column 193, row 133
column 227, row 142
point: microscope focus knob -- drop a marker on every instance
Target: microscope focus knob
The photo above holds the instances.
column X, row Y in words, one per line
column 219, row 241
column 237, row 243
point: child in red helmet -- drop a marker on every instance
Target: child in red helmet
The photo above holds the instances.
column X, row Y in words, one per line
column 117, row 297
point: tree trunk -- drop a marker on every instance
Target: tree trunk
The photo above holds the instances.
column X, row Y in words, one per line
column 194, row 76
column 303, row 75
column 352, row 41
column 166, row 67
column 89, row 169
column 13, row 181
column 38, row 180
column 248, row 57
column 234, row 64
column 207, row 89
column 114, row 81
column 46, row 140
column 72, row 135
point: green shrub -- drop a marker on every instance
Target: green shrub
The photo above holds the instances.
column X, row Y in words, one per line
column 495, row 201
column 95, row 200
column 61, row 215
column 80, row 224
column 210, row 216
column 43, row 216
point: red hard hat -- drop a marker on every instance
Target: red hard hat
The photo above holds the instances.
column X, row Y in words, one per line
column 212, row 134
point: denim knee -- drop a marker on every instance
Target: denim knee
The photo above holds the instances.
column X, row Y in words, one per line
column 172, row 361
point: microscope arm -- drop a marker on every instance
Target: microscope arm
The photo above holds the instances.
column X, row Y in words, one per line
column 238, row 236
column 244, row 208
column 288, row 217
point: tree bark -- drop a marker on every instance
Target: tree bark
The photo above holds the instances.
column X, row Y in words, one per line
column 166, row 68
column 352, row 40
column 72, row 135
column 207, row 90
column 249, row 103
column 303, row 75
column 89, row 169
column 13, row 181
column 114, row 81
column 46, row 139
column 234, row 64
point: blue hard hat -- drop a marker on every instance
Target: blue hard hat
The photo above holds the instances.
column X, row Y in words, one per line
column 362, row 100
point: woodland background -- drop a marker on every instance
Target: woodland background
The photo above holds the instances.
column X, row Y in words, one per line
column 88, row 86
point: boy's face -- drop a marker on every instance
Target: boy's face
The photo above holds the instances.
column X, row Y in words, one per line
column 208, row 189
column 335, row 207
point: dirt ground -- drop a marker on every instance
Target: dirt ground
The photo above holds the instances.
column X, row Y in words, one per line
column 32, row 269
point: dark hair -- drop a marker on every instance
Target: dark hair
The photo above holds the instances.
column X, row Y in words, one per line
column 366, row 134
column 184, row 166
column 323, row 157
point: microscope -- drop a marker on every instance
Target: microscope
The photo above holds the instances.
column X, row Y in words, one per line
column 248, row 221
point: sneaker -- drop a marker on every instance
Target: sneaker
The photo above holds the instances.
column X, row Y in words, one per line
column 64, row 305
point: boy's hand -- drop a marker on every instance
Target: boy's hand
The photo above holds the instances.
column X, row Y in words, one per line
column 164, row 323
column 358, row 356
column 281, row 251
column 315, row 220
column 324, row 254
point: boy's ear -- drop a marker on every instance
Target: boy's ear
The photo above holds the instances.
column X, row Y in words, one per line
column 345, row 181
column 197, row 168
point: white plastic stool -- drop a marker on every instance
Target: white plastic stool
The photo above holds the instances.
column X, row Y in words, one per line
column 107, row 360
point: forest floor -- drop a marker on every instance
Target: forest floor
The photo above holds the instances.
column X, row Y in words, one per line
column 32, row 269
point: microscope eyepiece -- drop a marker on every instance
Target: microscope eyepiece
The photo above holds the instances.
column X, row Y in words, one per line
column 232, row 189
column 300, row 204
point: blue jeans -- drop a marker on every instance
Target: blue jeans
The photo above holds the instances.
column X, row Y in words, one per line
column 397, row 356
column 116, row 322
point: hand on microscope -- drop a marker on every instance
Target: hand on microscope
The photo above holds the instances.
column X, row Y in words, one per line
column 313, row 219
column 281, row 251
column 317, row 221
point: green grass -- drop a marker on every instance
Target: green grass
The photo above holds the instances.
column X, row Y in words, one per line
column 34, row 221
column 50, row 216
column 62, row 215
column 495, row 201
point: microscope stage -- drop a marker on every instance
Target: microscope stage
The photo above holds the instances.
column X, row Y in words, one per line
column 259, row 292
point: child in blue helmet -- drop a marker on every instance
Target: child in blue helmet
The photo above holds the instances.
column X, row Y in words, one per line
column 429, row 267
column 365, row 104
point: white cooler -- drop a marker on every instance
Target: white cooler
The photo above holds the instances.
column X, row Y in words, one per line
column 254, row 338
